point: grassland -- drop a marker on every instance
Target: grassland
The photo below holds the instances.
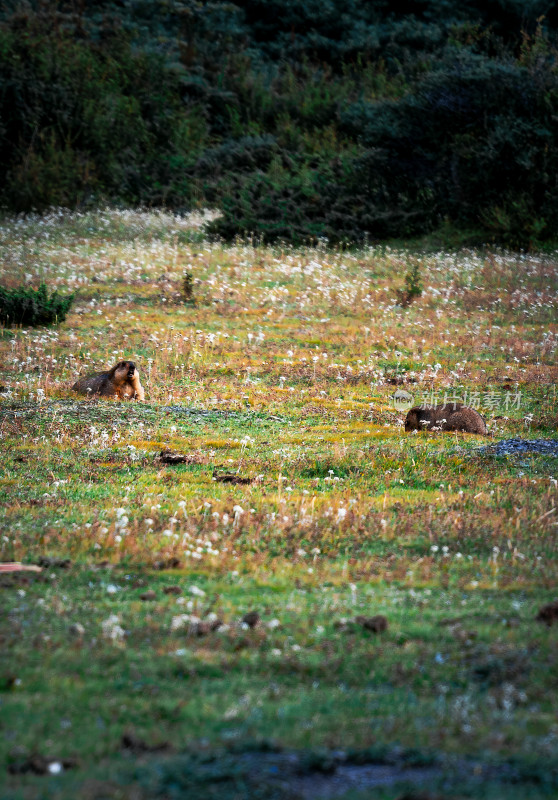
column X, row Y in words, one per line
column 282, row 371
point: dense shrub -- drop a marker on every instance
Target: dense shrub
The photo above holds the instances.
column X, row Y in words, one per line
column 340, row 119
column 473, row 142
column 26, row 306
column 82, row 118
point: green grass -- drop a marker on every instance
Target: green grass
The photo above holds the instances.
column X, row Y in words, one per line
column 280, row 373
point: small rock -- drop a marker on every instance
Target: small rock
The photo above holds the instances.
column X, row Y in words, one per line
column 548, row 613
column 169, row 563
column 149, row 595
column 172, row 590
column 170, row 457
column 39, row 765
column 203, row 627
column 132, row 742
column 251, row 619
column 231, row 478
column 377, row 624
column 54, row 563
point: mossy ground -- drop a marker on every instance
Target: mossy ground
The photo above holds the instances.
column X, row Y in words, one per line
column 284, row 372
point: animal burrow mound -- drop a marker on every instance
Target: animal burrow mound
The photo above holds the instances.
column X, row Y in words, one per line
column 513, row 447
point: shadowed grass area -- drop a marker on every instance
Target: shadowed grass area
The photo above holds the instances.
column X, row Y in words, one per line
column 283, row 375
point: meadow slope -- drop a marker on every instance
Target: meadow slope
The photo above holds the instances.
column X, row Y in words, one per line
column 280, row 371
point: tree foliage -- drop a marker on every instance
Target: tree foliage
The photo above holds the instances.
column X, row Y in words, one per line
column 341, row 119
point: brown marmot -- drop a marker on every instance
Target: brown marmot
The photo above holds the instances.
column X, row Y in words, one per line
column 122, row 381
column 448, row 417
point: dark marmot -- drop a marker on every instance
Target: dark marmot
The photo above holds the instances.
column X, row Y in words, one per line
column 122, row 381
column 448, row 417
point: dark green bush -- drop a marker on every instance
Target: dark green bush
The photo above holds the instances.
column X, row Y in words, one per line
column 26, row 306
column 413, row 284
column 188, row 289
column 475, row 142
column 342, row 119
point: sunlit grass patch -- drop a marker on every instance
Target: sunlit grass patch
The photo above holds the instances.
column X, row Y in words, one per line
column 411, row 496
